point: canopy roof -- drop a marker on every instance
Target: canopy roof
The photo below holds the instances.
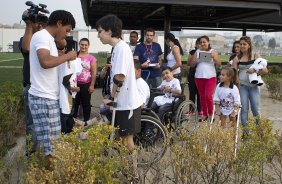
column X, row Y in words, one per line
column 255, row 15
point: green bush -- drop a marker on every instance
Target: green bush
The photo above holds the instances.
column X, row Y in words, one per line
column 95, row 159
column 11, row 113
column 275, row 69
column 274, row 85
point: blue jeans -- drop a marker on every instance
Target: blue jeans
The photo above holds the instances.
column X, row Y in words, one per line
column 29, row 122
column 249, row 95
column 154, row 82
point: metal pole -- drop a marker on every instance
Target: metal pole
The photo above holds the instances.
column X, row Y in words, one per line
column 167, row 26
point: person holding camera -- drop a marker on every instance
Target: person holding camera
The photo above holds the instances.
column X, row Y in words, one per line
column 44, row 77
column 33, row 24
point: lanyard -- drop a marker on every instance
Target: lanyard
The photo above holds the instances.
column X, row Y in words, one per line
column 149, row 50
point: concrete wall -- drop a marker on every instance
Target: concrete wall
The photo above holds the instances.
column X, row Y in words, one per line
column 8, row 36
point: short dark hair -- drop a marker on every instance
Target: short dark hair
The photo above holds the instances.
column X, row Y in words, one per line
column 61, row 15
column 150, row 29
column 41, row 19
column 84, row 39
column 137, row 66
column 110, row 22
column 134, row 32
column 167, row 68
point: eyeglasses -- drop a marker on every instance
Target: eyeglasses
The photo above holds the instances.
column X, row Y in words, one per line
column 61, row 49
column 100, row 31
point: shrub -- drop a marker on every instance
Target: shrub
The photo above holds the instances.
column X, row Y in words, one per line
column 274, row 86
column 96, row 159
column 275, row 69
column 11, row 114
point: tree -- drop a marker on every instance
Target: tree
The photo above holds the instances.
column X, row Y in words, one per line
column 258, row 41
column 272, row 43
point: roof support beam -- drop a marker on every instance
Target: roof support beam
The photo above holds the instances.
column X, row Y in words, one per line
column 213, row 3
column 154, row 12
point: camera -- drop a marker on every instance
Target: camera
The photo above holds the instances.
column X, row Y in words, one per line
column 36, row 12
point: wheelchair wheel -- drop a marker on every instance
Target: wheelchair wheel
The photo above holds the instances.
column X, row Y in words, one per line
column 151, row 141
column 186, row 116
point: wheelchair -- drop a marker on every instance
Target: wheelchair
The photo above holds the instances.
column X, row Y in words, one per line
column 151, row 142
column 183, row 113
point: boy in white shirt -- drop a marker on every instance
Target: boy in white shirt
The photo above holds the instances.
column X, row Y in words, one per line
column 142, row 86
column 128, row 111
column 169, row 86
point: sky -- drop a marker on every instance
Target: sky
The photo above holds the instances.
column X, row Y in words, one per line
column 11, row 10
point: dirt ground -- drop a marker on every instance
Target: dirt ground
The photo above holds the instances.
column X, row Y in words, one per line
column 270, row 108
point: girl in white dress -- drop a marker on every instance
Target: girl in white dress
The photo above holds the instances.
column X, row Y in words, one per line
column 227, row 97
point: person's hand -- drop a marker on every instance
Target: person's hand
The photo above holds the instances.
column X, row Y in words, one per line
column 75, row 89
column 251, row 71
column 107, row 101
column 108, row 66
column 71, row 55
column 158, row 66
column 91, row 89
column 217, row 111
column 26, row 17
column 234, row 113
column 146, row 64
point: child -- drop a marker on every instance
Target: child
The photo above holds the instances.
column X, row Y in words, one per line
column 169, row 86
column 142, row 86
column 227, row 97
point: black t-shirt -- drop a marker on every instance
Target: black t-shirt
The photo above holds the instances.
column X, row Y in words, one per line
column 26, row 66
column 192, row 70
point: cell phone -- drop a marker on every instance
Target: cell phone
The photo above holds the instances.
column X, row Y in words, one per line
column 205, row 57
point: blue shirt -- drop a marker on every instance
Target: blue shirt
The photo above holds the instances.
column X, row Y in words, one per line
column 151, row 52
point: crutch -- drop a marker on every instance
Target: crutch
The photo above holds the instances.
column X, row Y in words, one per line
column 211, row 122
column 237, row 131
column 114, row 106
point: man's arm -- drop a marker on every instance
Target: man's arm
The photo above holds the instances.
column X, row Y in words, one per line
column 27, row 34
column 48, row 61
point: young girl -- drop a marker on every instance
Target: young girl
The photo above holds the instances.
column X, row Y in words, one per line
column 227, row 97
column 169, row 86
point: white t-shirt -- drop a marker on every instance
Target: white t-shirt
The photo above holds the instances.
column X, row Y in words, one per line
column 205, row 70
column 132, row 48
column 167, row 98
column 122, row 63
column 44, row 82
column 227, row 97
column 72, row 67
column 171, row 61
column 144, row 90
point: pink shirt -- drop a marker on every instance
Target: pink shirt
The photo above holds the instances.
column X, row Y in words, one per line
column 85, row 76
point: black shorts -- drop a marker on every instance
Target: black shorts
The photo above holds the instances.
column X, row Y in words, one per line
column 128, row 126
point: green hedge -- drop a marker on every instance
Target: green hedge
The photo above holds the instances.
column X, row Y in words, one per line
column 11, row 113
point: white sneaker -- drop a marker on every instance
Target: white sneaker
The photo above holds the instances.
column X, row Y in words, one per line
column 78, row 122
column 92, row 121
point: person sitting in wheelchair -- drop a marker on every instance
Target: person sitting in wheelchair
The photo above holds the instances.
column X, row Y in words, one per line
column 170, row 86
